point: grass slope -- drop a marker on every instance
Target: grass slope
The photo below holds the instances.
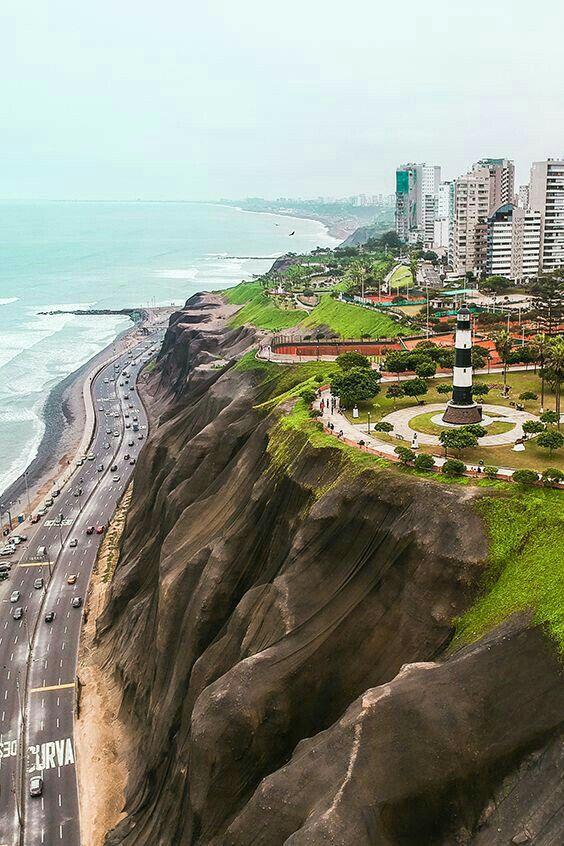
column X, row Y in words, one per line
column 525, row 568
column 352, row 321
column 259, row 309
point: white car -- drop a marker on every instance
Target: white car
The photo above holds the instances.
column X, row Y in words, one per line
column 91, row 456
column 15, row 595
column 35, row 786
column 116, row 434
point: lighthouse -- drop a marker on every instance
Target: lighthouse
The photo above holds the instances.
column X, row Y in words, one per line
column 462, row 409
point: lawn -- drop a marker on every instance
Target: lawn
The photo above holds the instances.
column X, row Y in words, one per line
column 260, row 309
column 525, row 568
column 351, row 321
column 424, row 423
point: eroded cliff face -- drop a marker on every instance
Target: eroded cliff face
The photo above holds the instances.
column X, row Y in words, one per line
column 280, row 623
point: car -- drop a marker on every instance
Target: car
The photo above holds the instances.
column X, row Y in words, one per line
column 72, row 579
column 7, row 550
column 18, row 613
column 35, row 786
column 128, row 425
column 79, row 462
column 106, row 381
column 126, row 414
column 90, row 530
column 91, row 456
column 132, row 461
column 38, row 584
column 106, row 445
column 116, row 434
column 108, row 431
column 140, row 436
column 136, row 420
column 4, row 575
column 131, row 443
column 77, row 492
column 121, row 384
column 115, row 479
column 130, row 405
column 15, row 595
column 100, row 468
column 76, row 602
column 112, row 379
column 113, row 468
column 132, row 387
column 50, row 616
column 73, row 542
column 101, row 408
column 42, row 511
column 35, row 518
column 55, row 492
column 116, row 413
column 126, row 456
column 22, row 538
column 5, row 567
column 48, row 502
column 15, row 541
column 100, row 530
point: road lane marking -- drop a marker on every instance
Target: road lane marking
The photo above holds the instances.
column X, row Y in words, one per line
column 35, row 563
column 52, row 687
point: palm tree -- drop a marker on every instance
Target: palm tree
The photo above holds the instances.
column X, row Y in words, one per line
column 555, row 364
column 540, row 347
column 358, row 273
column 503, row 344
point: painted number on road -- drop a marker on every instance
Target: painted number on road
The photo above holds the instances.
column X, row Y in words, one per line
column 9, row 749
column 54, row 753
column 50, row 523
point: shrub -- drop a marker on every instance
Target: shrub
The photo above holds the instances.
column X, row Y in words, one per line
column 443, row 388
column 550, row 417
column 552, row 474
column 475, row 429
column 525, row 477
column 319, row 379
column 308, row 395
column 491, row 471
column 453, row 467
column 424, row 461
column 458, row 439
column 315, row 412
column 383, row 426
column 528, row 395
column 480, row 390
column 404, row 454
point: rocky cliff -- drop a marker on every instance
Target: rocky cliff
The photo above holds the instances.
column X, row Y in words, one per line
column 280, row 624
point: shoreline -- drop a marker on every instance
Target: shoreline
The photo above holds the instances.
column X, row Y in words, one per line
column 334, row 229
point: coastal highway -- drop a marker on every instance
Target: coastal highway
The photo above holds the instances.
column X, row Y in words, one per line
column 38, row 659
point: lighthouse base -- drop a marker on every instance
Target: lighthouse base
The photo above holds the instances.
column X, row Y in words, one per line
column 462, row 415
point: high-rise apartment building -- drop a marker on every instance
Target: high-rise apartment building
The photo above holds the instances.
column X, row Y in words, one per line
column 523, row 199
column 445, row 216
column 546, row 196
column 489, row 185
column 417, row 187
column 513, row 243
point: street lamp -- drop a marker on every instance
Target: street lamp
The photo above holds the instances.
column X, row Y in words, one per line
column 47, row 561
column 60, row 524
column 368, row 414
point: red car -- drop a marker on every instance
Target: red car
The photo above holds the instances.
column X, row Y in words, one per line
column 90, row 530
column 35, row 518
column 99, row 530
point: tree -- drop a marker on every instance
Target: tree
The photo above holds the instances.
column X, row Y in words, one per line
column 308, row 395
column 348, row 360
column 395, row 362
column 495, row 284
column 491, row 471
column 444, row 388
column 551, row 439
column 355, row 385
column 480, row 390
column 457, row 439
column 383, row 426
column 404, row 454
column 426, row 368
column 539, row 348
column 453, row 467
column 555, row 364
column 503, row 344
column 548, row 299
column 415, row 388
column 394, row 393
column 475, row 429
column 525, row 477
column 549, row 417
column 533, row 427
column 528, row 395
column 390, row 239
column 424, row 461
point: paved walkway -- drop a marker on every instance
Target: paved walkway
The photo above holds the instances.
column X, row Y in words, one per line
column 353, row 433
column 400, row 421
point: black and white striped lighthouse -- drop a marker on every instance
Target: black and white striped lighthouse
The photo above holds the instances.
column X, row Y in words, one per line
column 461, row 408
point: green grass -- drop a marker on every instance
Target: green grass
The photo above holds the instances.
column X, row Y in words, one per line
column 260, row 309
column 424, row 423
column 351, row 321
column 401, row 277
column 525, row 566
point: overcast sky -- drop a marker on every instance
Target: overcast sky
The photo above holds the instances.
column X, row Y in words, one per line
column 178, row 99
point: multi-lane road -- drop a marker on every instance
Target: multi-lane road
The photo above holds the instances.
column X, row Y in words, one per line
column 38, row 659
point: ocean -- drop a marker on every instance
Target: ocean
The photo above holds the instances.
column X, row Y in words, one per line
column 109, row 255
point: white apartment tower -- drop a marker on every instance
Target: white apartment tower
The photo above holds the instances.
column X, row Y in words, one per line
column 546, row 196
column 513, row 243
column 489, row 185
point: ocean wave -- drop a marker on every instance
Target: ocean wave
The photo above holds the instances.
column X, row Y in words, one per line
column 8, row 300
column 188, row 273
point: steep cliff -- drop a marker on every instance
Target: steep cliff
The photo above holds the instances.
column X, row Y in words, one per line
column 280, row 624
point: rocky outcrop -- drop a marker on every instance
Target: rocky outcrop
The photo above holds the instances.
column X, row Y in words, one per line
column 280, row 623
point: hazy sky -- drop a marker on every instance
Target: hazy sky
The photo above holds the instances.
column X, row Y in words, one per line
column 178, row 99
